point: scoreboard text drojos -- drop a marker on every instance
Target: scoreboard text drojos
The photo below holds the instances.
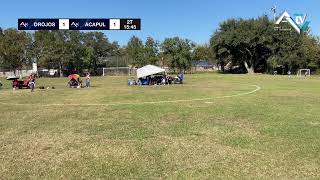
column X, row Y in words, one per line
column 79, row 24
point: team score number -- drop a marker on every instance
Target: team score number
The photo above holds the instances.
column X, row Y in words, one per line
column 132, row 26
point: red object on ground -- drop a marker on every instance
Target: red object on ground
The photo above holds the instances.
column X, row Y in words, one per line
column 20, row 84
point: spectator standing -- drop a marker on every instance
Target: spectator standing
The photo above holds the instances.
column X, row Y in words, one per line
column 32, row 82
column 88, row 80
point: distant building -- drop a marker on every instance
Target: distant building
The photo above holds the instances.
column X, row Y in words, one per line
column 203, row 65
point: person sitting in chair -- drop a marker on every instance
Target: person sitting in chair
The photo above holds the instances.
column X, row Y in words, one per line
column 73, row 83
column 170, row 79
column 79, row 82
column 181, row 76
column 164, row 80
column 179, row 79
column 15, row 84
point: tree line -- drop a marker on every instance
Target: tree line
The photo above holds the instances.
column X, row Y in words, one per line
column 253, row 45
column 237, row 46
column 76, row 52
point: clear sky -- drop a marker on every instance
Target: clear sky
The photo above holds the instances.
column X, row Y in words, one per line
column 192, row 19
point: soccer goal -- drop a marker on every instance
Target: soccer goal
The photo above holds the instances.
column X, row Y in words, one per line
column 118, row 71
column 304, row 73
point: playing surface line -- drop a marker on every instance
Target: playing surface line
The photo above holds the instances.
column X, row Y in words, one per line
column 258, row 88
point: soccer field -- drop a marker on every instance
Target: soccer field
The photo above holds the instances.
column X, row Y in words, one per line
column 213, row 126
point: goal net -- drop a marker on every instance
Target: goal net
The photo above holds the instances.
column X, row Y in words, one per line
column 118, row 71
column 304, row 73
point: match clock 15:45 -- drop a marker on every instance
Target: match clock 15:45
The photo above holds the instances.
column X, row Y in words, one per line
column 130, row 24
column 130, row 27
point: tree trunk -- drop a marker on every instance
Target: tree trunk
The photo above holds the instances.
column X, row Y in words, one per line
column 222, row 67
column 250, row 69
column 60, row 70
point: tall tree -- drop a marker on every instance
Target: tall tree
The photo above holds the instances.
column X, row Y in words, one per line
column 60, row 50
column 311, row 53
column 202, row 52
column 135, row 50
column 96, row 48
column 178, row 52
column 255, row 46
column 14, row 47
column 151, row 51
column 245, row 40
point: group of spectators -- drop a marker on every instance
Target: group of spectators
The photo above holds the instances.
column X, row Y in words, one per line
column 31, row 83
column 157, row 80
column 77, row 82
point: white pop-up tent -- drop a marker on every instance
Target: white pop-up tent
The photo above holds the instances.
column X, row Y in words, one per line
column 149, row 70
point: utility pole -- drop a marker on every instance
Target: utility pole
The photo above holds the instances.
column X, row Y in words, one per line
column 274, row 10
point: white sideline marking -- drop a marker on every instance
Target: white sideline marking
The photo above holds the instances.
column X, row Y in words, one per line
column 147, row 102
column 208, row 102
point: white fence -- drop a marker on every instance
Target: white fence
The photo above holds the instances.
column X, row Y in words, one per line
column 119, row 71
column 22, row 73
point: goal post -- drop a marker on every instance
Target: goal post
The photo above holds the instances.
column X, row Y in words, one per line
column 304, row 73
column 118, row 71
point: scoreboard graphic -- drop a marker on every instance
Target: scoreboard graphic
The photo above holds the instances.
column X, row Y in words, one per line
column 79, row 24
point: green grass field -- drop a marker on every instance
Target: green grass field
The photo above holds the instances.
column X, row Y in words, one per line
column 113, row 131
